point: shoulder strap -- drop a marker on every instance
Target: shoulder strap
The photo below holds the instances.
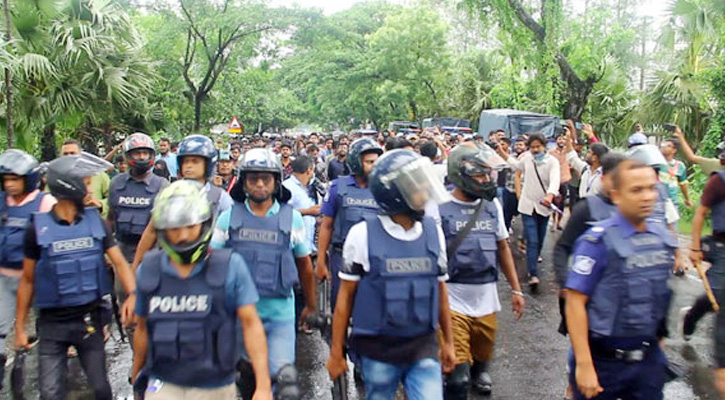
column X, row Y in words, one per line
column 217, row 267
column 150, row 271
column 430, row 230
column 453, row 245
column 536, row 169
column 98, row 229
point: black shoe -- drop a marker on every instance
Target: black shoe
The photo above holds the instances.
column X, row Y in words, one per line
column 3, row 359
column 481, row 379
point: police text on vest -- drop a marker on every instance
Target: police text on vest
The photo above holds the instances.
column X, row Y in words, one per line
column 179, row 304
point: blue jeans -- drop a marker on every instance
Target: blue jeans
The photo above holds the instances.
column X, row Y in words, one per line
column 280, row 344
column 535, row 233
column 422, row 380
column 8, row 292
column 510, row 206
column 54, row 338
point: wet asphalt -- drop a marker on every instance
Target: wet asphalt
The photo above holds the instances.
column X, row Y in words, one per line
column 530, row 355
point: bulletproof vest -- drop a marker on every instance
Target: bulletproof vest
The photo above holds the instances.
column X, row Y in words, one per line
column 264, row 242
column 475, row 259
column 632, row 297
column 718, row 211
column 214, row 195
column 398, row 297
column 599, row 208
column 192, row 336
column 355, row 204
column 659, row 214
column 131, row 201
column 13, row 222
column 70, row 271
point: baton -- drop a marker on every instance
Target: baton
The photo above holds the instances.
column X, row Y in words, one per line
column 708, row 288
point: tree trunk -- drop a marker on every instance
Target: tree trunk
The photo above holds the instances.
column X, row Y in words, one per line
column 197, row 112
column 47, row 143
column 8, row 82
column 576, row 100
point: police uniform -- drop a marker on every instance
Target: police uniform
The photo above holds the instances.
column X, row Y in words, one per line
column 131, row 201
column 348, row 204
column 624, row 272
column 191, row 324
column 473, row 272
column 13, row 224
column 396, row 304
column 69, row 281
column 270, row 246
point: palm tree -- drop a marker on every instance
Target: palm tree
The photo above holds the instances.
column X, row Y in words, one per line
column 78, row 63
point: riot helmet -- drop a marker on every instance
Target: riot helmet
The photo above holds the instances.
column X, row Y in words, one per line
column 260, row 160
column 357, row 149
column 636, row 139
column 20, row 163
column 198, row 145
column 648, row 154
column 65, row 175
column 403, row 181
column 135, row 142
column 183, row 204
column 466, row 162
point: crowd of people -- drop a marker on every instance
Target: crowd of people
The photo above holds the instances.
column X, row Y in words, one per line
column 209, row 254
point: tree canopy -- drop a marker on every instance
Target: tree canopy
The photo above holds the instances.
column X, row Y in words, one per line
column 97, row 70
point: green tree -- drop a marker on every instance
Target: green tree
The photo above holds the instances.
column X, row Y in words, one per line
column 78, row 63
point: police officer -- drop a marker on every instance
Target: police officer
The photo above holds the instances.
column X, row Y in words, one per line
column 712, row 250
column 193, row 297
column 347, row 202
column 474, row 254
column 270, row 235
column 594, row 208
column 196, row 159
column 618, row 294
column 393, row 285
column 132, row 193
column 64, row 271
column 19, row 198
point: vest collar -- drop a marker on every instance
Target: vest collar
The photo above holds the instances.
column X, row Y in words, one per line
column 272, row 210
column 627, row 230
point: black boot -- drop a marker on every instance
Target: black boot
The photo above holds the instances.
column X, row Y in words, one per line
column 481, row 378
column 3, row 359
column 458, row 383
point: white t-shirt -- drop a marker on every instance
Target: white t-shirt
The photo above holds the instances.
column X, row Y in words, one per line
column 474, row 300
column 355, row 249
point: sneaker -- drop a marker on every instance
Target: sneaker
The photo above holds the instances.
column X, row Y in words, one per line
column 540, row 260
column 687, row 329
column 534, row 283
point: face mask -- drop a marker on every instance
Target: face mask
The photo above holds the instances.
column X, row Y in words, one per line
column 488, row 191
column 539, row 157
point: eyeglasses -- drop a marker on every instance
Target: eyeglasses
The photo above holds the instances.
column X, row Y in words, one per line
column 253, row 178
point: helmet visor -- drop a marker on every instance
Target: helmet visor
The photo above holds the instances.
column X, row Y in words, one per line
column 418, row 183
column 180, row 211
column 89, row 165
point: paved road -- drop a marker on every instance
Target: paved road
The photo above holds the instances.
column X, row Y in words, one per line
column 530, row 354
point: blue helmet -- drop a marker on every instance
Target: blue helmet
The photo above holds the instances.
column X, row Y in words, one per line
column 20, row 163
column 357, row 149
column 198, row 145
column 403, row 181
column 636, row 139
